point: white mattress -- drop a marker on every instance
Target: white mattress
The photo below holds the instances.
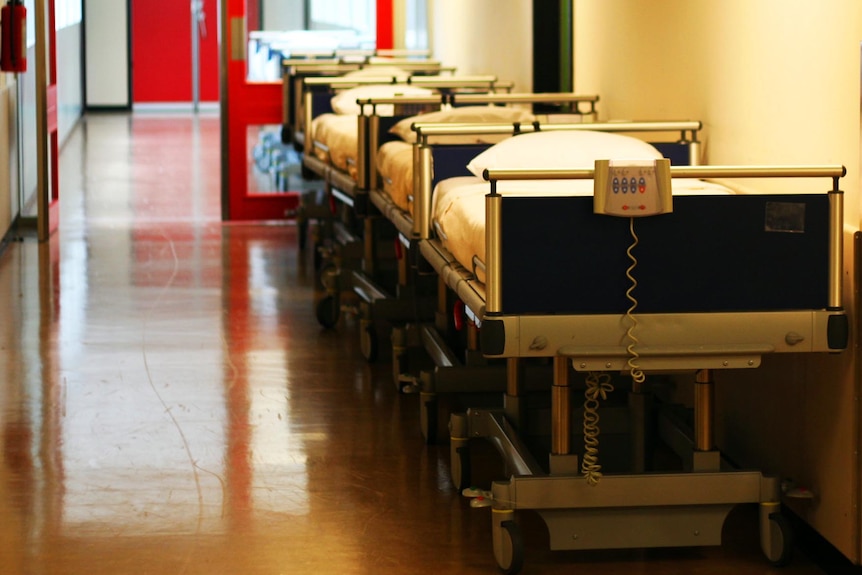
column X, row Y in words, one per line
column 395, row 164
column 341, row 135
column 458, row 207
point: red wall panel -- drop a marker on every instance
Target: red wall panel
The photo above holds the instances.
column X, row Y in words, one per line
column 162, row 51
column 384, row 25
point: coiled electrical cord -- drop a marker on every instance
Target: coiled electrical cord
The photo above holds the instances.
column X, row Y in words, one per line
column 638, row 376
column 599, row 384
column 598, row 387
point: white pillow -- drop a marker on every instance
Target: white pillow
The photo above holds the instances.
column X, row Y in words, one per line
column 466, row 115
column 345, row 102
column 560, row 150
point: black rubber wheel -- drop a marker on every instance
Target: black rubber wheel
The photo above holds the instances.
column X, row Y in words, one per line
column 368, row 343
column 516, row 542
column 286, row 134
column 785, row 532
column 328, row 311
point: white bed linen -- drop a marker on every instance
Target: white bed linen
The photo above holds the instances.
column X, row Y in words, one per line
column 395, row 165
column 340, row 134
column 458, row 207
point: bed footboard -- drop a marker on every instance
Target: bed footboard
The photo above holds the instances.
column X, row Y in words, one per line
column 717, row 282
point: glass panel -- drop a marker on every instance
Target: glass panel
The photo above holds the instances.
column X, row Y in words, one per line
column 66, row 13
column 70, row 89
column 274, row 167
column 27, row 128
column 356, row 15
column 416, row 29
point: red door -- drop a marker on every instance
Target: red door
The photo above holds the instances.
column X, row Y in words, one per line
column 251, row 104
column 162, row 51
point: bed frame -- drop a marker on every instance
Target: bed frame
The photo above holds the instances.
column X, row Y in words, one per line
column 345, row 230
column 295, row 72
column 358, row 257
column 689, row 320
column 451, row 370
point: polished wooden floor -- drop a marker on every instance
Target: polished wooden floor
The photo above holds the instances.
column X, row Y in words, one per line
column 169, row 404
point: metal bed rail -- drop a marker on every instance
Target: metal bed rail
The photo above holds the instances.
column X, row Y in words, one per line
column 836, row 216
column 311, row 84
column 730, row 340
column 425, row 133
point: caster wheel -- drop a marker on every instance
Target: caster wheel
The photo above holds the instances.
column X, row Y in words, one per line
column 781, row 540
column 510, row 555
column 368, row 342
column 286, row 134
column 328, row 311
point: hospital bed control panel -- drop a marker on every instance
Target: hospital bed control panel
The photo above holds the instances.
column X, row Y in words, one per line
column 632, row 188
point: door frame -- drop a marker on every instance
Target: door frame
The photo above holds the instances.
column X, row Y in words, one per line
column 47, row 129
column 244, row 104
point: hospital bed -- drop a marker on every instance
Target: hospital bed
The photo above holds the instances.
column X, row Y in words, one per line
column 296, row 70
column 345, row 157
column 597, row 294
column 348, row 128
column 448, row 368
column 332, row 105
column 393, row 298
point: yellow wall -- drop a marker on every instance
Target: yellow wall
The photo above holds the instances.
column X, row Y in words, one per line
column 485, row 37
column 774, row 82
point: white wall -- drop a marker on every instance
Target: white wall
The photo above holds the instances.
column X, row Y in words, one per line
column 485, row 37
column 70, row 97
column 106, row 53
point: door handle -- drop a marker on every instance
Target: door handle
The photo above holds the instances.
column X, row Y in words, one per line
column 200, row 17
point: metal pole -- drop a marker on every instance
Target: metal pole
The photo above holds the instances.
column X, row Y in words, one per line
column 561, row 408
column 704, row 392
column 43, row 186
column 197, row 8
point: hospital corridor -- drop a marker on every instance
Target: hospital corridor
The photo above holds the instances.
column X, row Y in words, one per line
column 170, row 405
column 428, row 286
